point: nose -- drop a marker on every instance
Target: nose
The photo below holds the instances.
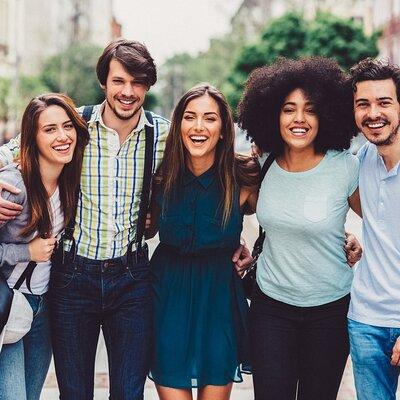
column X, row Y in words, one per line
column 127, row 90
column 62, row 135
column 299, row 116
column 374, row 112
column 199, row 125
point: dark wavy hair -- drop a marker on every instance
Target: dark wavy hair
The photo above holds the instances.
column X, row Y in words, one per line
column 370, row 69
column 324, row 84
column 232, row 169
column 133, row 55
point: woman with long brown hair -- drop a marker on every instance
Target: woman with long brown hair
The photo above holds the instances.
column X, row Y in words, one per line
column 200, row 194
column 53, row 137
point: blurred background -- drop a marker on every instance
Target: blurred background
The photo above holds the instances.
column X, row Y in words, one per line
column 54, row 46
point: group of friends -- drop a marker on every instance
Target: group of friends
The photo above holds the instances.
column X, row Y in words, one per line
column 112, row 174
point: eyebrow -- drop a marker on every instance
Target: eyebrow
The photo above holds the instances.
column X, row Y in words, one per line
column 292, row 103
column 51, row 125
column 378, row 98
column 206, row 113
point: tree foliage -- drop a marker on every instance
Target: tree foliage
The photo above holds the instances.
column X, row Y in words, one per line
column 73, row 72
column 292, row 36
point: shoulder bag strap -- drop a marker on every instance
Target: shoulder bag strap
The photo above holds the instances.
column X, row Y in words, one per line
column 268, row 162
column 148, row 167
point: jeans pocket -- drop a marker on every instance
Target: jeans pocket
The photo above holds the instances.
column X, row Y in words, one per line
column 61, row 279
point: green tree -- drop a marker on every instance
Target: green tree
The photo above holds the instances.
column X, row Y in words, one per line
column 73, row 72
column 292, row 36
column 4, row 93
column 343, row 39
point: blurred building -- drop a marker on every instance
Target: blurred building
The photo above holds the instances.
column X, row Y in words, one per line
column 252, row 15
column 32, row 30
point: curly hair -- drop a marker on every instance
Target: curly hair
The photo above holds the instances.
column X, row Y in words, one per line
column 324, row 84
column 370, row 69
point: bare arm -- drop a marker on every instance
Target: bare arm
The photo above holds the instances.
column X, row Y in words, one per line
column 355, row 202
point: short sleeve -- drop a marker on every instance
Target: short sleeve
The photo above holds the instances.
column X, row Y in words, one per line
column 362, row 151
column 353, row 168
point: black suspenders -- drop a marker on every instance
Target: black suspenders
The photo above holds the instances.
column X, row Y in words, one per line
column 135, row 244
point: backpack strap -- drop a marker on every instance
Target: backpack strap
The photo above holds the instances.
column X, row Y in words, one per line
column 87, row 113
column 146, row 187
column 268, row 162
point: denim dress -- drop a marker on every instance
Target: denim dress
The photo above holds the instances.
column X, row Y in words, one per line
column 200, row 319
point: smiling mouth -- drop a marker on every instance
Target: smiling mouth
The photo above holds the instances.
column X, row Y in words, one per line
column 299, row 132
column 62, row 147
column 198, row 139
column 375, row 125
column 126, row 103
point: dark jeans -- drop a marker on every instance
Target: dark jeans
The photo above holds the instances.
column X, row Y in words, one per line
column 89, row 294
column 297, row 349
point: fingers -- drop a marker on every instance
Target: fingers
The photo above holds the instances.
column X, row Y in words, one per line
column 9, row 188
column 237, row 253
column 395, row 358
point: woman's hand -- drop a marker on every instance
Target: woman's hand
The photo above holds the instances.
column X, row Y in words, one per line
column 353, row 249
column 40, row 249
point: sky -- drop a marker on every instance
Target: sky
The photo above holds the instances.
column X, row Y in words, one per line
column 167, row 27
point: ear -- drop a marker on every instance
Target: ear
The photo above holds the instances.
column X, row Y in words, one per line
column 103, row 87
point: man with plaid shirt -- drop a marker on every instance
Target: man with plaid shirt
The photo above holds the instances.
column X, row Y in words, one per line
column 100, row 286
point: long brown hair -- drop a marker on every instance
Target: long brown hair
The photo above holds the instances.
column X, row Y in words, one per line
column 69, row 179
column 174, row 162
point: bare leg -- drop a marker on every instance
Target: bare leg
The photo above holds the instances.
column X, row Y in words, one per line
column 211, row 392
column 167, row 393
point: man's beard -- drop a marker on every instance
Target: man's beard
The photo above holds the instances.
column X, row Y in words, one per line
column 121, row 116
column 389, row 140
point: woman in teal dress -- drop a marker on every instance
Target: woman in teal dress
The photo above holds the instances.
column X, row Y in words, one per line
column 200, row 194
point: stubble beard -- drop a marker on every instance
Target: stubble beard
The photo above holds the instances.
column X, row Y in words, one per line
column 122, row 116
column 389, row 140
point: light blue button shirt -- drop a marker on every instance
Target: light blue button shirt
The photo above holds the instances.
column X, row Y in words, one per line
column 303, row 262
column 375, row 295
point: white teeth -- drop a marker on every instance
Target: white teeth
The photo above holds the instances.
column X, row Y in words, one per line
column 198, row 137
column 61, row 147
column 299, row 130
column 376, row 125
column 127, row 102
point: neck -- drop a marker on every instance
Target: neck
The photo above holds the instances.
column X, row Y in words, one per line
column 122, row 126
column 390, row 153
column 199, row 165
column 299, row 160
column 50, row 173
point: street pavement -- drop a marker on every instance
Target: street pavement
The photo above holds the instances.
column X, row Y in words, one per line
column 241, row 391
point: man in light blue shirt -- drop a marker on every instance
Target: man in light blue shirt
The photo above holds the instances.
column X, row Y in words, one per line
column 374, row 314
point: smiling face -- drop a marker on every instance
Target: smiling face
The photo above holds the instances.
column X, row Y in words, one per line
column 124, row 93
column 56, row 137
column 298, row 121
column 201, row 128
column 377, row 110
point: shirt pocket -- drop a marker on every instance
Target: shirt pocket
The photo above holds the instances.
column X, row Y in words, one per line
column 315, row 208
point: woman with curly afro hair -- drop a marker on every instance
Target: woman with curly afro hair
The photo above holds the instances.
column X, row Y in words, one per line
column 301, row 111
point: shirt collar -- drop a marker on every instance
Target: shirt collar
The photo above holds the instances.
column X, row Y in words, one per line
column 140, row 126
column 205, row 179
column 384, row 174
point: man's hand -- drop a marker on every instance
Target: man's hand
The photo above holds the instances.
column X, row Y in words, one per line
column 40, row 249
column 242, row 258
column 395, row 359
column 353, row 249
column 8, row 210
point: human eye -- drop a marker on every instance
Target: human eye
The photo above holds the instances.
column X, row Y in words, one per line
column 50, row 129
column 69, row 125
column 310, row 110
column 362, row 104
column 385, row 103
column 188, row 117
column 288, row 109
column 117, row 81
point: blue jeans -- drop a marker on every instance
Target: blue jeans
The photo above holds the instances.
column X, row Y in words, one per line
column 89, row 294
column 371, row 349
column 24, row 364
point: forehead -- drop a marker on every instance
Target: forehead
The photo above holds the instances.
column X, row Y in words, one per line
column 52, row 115
column 297, row 95
column 372, row 90
column 117, row 69
column 204, row 103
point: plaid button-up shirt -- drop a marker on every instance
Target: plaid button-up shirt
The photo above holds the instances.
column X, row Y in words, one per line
column 111, row 184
